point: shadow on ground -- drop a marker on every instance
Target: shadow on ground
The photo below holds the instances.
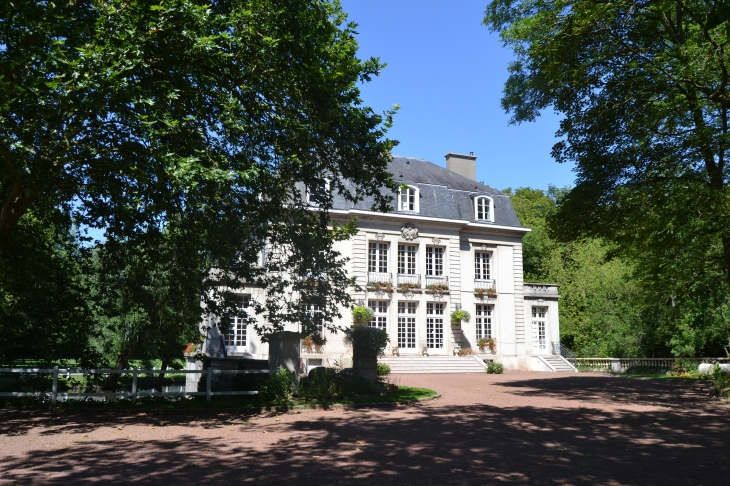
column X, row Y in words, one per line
column 683, row 439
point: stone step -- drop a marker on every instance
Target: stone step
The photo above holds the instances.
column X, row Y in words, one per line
column 433, row 364
column 558, row 364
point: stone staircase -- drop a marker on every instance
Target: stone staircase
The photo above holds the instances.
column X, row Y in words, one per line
column 558, row 364
column 434, row 364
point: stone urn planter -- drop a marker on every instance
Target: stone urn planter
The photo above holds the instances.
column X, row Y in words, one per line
column 367, row 344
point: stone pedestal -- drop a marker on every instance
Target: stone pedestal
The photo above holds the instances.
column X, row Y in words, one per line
column 284, row 352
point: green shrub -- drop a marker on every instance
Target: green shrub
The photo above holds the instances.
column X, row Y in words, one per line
column 277, row 387
column 495, row 368
column 366, row 342
column 328, row 383
column 684, row 367
column 383, row 370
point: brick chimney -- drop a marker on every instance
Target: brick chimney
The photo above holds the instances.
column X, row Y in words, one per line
column 465, row 165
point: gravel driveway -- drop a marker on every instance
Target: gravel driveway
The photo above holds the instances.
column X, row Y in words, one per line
column 516, row 428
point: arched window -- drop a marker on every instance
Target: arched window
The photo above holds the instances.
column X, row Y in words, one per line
column 483, row 209
column 408, row 199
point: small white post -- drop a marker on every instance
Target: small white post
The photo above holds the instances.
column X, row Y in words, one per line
column 135, row 371
column 54, row 390
column 208, row 384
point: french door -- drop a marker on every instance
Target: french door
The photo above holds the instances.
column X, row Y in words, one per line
column 435, row 327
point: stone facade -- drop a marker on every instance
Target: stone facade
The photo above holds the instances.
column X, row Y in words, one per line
column 450, row 243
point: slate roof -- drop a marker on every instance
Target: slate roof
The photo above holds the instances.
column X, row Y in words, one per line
column 443, row 194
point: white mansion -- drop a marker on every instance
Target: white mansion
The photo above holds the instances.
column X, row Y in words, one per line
column 450, row 243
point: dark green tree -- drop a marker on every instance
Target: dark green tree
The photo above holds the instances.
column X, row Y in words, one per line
column 642, row 87
column 204, row 118
column 43, row 310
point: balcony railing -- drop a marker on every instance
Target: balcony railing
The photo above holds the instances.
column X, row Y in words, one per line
column 380, row 277
column 437, row 280
column 410, row 278
column 484, row 284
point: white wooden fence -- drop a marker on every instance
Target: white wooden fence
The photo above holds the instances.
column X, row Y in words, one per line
column 134, row 393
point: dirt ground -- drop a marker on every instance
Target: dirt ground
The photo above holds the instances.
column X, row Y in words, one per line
column 516, row 428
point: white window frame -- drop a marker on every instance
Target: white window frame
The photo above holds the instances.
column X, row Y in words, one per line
column 435, row 261
column 311, row 309
column 236, row 338
column 435, row 333
column 482, row 203
column 482, row 265
column 539, row 326
column 378, row 257
column 407, row 258
column 311, row 191
column 408, row 199
column 380, row 318
column 407, row 316
column 483, row 320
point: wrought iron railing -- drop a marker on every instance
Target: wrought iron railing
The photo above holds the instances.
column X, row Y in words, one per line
column 380, row 277
column 437, row 280
column 410, row 279
column 560, row 349
column 484, row 284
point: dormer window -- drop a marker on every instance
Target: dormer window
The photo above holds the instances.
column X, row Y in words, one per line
column 408, row 199
column 483, row 208
column 317, row 194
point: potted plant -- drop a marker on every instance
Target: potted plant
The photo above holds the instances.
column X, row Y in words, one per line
column 405, row 287
column 480, row 292
column 460, row 315
column 438, row 287
column 361, row 315
column 465, row 352
column 487, row 342
column 308, row 343
column 387, row 286
column 491, row 292
column 396, row 350
column 367, row 344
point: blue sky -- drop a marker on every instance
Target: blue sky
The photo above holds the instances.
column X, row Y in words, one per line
column 447, row 71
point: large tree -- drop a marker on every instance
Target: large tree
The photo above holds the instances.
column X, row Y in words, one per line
column 204, row 118
column 642, row 88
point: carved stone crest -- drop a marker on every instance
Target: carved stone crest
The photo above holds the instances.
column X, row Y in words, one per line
column 436, row 241
column 483, row 247
column 409, row 232
column 408, row 295
column 379, row 236
column 438, row 297
column 380, row 294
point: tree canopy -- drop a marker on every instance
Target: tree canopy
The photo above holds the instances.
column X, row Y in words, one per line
column 198, row 119
column 642, row 88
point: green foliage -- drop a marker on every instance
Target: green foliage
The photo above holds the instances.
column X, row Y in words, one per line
column 495, row 368
column 383, row 370
column 600, row 300
column 367, row 342
column 643, row 94
column 460, row 315
column 331, row 383
column 198, row 119
column 362, row 314
column 277, row 387
column 43, row 311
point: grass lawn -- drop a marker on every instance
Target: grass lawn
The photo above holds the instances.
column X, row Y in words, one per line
column 403, row 394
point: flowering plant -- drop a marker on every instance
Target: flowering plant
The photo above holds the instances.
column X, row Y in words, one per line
column 487, row 342
column 465, row 352
column 438, row 287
